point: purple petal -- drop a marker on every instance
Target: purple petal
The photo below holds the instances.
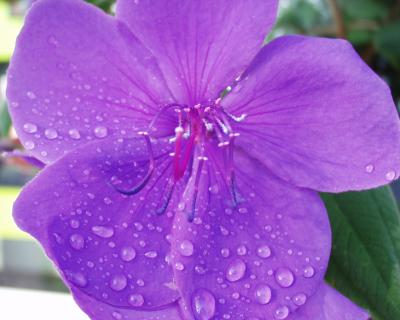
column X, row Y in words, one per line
column 103, row 311
column 23, row 155
column 201, row 45
column 328, row 304
column 107, row 245
column 318, row 116
column 244, row 262
column 79, row 75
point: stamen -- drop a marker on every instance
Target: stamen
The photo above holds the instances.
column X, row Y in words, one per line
column 162, row 110
column 231, row 169
column 163, row 208
column 192, row 211
column 150, row 170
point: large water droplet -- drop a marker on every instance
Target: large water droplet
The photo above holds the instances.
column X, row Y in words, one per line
column 390, row 176
column 263, row 294
column 76, row 278
column 236, row 270
column 51, row 134
column 30, row 127
column 309, row 272
column 299, row 299
column 186, row 248
column 264, row 251
column 101, row 132
column 284, row 277
column 103, row 231
column 282, row 312
column 128, row 254
column 74, row 134
column 76, row 241
column 118, row 282
column 136, row 300
column 203, row 304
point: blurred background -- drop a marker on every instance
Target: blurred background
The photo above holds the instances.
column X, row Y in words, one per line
column 372, row 26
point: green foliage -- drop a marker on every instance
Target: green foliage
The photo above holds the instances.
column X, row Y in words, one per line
column 387, row 42
column 365, row 260
column 5, row 121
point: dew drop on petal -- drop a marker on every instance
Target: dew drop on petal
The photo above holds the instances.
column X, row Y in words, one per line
column 128, row 254
column 390, row 176
column 30, row 127
column 116, row 315
column 236, row 270
column 225, row 252
column 264, row 251
column 186, row 248
column 136, row 300
column 282, row 312
column 31, row 95
column 369, row 168
column 309, row 272
column 76, row 278
column 263, row 294
column 203, row 304
column 51, row 134
column 118, row 282
column 101, row 132
column 151, row 254
column 103, row 231
column 241, row 250
column 284, row 277
column 29, row 145
column 74, row 134
column 76, row 241
column 299, row 299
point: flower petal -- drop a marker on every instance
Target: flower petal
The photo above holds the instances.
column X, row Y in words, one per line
column 318, row 116
column 243, row 262
column 328, row 304
column 201, row 45
column 107, row 245
column 79, row 75
column 102, row 311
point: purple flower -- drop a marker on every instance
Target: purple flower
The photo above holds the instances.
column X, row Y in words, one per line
column 162, row 201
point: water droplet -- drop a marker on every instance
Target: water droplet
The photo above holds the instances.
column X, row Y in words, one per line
column 76, row 278
column 103, row 231
column 31, row 95
column 116, row 315
column 203, row 304
column 390, row 176
column 76, row 241
column 264, row 251
column 30, row 127
column 241, row 250
column 282, row 312
column 101, row 132
column 309, row 272
column 151, row 254
column 74, row 134
column 186, row 248
column 284, row 277
column 299, row 299
column 236, row 270
column 52, row 40
column 29, row 145
column 118, row 282
column 179, row 266
column 225, row 252
column 369, row 168
column 263, row 294
column 74, row 224
column 128, row 254
column 136, row 300
column 51, row 134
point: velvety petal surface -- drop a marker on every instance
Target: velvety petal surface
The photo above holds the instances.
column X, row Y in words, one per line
column 108, row 246
column 328, row 304
column 252, row 261
column 78, row 75
column 201, row 45
column 317, row 116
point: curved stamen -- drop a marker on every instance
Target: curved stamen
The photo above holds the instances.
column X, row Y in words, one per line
column 231, row 169
column 171, row 186
column 192, row 211
column 163, row 109
column 150, row 170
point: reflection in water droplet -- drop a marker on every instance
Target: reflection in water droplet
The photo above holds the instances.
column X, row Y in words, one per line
column 284, row 277
column 236, row 270
column 101, row 132
column 203, row 304
column 128, row 254
column 103, row 231
column 282, row 312
column 263, row 294
column 186, row 248
column 136, row 300
column 118, row 282
column 74, row 134
column 299, row 299
column 309, row 272
column 264, row 251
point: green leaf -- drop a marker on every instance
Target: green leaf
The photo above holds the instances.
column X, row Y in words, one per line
column 365, row 260
column 387, row 42
column 366, row 9
column 5, row 121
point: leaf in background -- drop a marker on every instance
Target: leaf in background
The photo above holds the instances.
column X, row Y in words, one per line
column 387, row 42
column 366, row 9
column 106, row 5
column 365, row 260
column 5, row 121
